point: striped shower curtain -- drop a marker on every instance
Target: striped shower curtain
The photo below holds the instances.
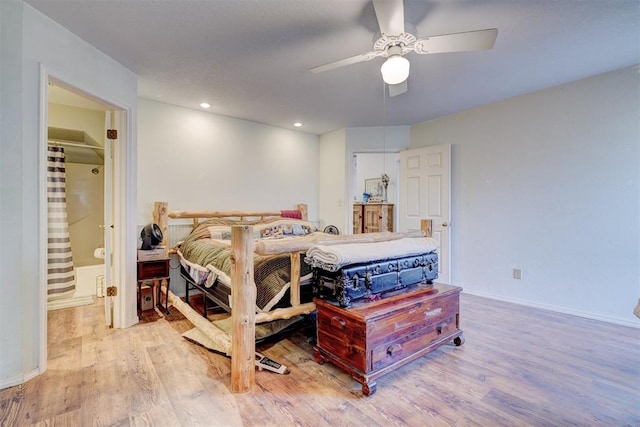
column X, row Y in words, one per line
column 61, row 281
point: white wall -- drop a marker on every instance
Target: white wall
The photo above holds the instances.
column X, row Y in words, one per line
column 332, row 172
column 85, row 211
column 11, row 205
column 198, row 160
column 549, row 183
column 377, row 139
column 28, row 40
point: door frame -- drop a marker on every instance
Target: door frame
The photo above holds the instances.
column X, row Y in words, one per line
column 351, row 187
column 124, row 247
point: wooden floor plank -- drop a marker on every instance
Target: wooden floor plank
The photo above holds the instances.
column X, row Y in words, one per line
column 63, row 420
column 12, row 401
column 520, row 366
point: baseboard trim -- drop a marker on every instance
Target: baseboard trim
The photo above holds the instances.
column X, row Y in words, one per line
column 70, row 302
column 31, row 374
column 19, row 379
column 558, row 309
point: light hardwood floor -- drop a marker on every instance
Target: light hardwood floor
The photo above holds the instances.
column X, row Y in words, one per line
column 520, row 366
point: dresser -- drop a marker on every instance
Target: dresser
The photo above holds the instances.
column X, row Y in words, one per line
column 357, row 218
column 372, row 217
column 371, row 339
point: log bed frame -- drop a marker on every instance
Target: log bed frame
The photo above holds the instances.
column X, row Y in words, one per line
column 241, row 345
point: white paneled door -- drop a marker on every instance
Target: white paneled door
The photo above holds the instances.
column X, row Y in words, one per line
column 425, row 193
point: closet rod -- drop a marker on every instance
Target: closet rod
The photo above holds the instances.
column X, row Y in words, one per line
column 71, row 144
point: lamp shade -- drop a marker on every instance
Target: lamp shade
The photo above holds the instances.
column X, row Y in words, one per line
column 395, row 70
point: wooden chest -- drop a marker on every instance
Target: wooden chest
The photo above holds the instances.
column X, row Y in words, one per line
column 370, row 339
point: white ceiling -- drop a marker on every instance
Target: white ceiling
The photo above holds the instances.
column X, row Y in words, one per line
column 250, row 59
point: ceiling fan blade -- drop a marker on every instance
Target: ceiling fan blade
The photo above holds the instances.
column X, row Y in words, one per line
column 457, row 42
column 390, row 14
column 399, row 89
column 347, row 61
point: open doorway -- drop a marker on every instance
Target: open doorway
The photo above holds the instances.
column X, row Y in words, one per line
column 107, row 162
column 76, row 212
column 366, row 166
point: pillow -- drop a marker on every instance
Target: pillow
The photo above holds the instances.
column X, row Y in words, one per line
column 223, row 232
column 274, row 229
column 285, row 228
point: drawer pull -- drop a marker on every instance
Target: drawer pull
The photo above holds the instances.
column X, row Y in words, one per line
column 401, row 325
column 433, row 312
column 394, row 349
column 440, row 328
column 338, row 322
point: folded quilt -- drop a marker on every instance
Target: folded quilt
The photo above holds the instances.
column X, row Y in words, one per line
column 333, row 257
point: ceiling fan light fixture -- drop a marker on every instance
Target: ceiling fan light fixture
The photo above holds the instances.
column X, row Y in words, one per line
column 395, row 69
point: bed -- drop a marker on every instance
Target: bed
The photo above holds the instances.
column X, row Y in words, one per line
column 228, row 249
column 205, row 258
column 280, row 242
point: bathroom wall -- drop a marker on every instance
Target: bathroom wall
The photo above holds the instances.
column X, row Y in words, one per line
column 73, row 117
column 85, row 211
column 85, row 189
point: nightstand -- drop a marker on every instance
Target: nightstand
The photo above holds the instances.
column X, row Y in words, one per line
column 154, row 271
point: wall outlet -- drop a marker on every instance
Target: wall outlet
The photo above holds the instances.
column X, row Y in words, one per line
column 517, row 273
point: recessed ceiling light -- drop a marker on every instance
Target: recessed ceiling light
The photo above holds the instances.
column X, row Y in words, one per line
column 205, row 105
column 298, row 124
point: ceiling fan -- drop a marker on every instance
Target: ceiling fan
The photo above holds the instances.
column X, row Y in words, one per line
column 397, row 38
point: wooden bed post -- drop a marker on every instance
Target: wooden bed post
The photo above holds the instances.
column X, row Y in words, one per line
column 243, row 311
column 294, row 279
column 160, row 217
column 426, row 225
column 302, row 207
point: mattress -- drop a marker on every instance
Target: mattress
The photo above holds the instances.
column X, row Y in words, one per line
column 220, row 294
column 205, row 256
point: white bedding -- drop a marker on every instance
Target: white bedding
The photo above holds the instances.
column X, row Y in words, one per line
column 333, row 257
